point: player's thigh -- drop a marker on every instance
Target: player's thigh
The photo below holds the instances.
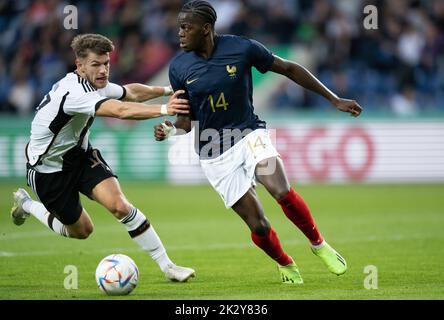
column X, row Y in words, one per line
column 271, row 174
column 99, row 183
column 58, row 193
column 94, row 171
column 109, row 194
column 249, row 208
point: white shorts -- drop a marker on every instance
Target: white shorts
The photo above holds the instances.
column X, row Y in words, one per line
column 232, row 174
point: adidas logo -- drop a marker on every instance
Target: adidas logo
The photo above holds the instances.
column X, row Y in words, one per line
column 286, row 279
column 340, row 259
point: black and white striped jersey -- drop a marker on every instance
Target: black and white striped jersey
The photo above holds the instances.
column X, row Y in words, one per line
column 62, row 120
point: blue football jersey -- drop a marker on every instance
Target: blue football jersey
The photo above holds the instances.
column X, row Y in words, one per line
column 220, row 90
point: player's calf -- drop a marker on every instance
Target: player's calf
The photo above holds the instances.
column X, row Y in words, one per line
column 81, row 229
column 81, row 234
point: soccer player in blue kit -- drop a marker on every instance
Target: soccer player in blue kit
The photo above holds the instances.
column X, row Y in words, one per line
column 234, row 145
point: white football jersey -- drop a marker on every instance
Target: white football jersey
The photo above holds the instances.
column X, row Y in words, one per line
column 62, row 121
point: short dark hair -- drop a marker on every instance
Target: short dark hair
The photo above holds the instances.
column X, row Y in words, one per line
column 89, row 41
column 202, row 9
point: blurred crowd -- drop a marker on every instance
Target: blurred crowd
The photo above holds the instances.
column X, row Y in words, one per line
column 398, row 67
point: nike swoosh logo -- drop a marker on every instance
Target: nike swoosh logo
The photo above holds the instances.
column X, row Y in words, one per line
column 191, row 81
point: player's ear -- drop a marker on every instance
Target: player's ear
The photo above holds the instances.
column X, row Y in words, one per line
column 207, row 28
column 78, row 63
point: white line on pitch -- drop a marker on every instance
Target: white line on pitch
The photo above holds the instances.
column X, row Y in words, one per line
column 218, row 246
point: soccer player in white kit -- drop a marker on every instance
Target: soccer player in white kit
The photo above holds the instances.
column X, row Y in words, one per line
column 61, row 162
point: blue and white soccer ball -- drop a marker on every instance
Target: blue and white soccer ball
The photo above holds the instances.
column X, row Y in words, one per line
column 117, row 274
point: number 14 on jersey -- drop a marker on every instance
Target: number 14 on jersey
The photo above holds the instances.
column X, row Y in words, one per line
column 220, row 103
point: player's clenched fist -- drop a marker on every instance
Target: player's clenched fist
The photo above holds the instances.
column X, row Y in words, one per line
column 164, row 130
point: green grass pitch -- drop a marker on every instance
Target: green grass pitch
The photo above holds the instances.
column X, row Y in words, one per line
column 396, row 228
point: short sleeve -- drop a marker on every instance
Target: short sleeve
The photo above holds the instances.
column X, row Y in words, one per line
column 113, row 91
column 174, row 79
column 86, row 103
column 260, row 57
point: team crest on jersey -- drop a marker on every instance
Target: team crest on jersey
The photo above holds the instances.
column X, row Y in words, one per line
column 231, row 71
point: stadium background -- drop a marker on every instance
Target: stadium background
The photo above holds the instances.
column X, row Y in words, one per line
column 395, row 73
column 394, row 150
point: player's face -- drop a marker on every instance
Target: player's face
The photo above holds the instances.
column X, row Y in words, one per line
column 95, row 68
column 191, row 32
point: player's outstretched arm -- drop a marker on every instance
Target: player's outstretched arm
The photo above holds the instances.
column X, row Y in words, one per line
column 139, row 111
column 306, row 79
column 137, row 92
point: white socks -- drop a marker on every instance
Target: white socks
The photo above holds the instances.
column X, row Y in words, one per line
column 39, row 211
column 319, row 246
column 136, row 223
column 146, row 237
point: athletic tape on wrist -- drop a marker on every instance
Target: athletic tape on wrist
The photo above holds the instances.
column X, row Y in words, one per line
column 167, row 91
column 164, row 110
column 169, row 130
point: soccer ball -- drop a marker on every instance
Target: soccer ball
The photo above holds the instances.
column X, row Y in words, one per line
column 117, row 274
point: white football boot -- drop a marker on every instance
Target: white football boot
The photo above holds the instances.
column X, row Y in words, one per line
column 178, row 273
column 18, row 214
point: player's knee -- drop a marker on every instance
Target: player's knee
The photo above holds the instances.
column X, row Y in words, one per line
column 277, row 189
column 261, row 228
column 83, row 233
column 120, row 208
column 280, row 193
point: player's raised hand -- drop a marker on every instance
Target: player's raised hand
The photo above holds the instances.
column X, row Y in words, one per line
column 161, row 130
column 350, row 106
column 176, row 105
